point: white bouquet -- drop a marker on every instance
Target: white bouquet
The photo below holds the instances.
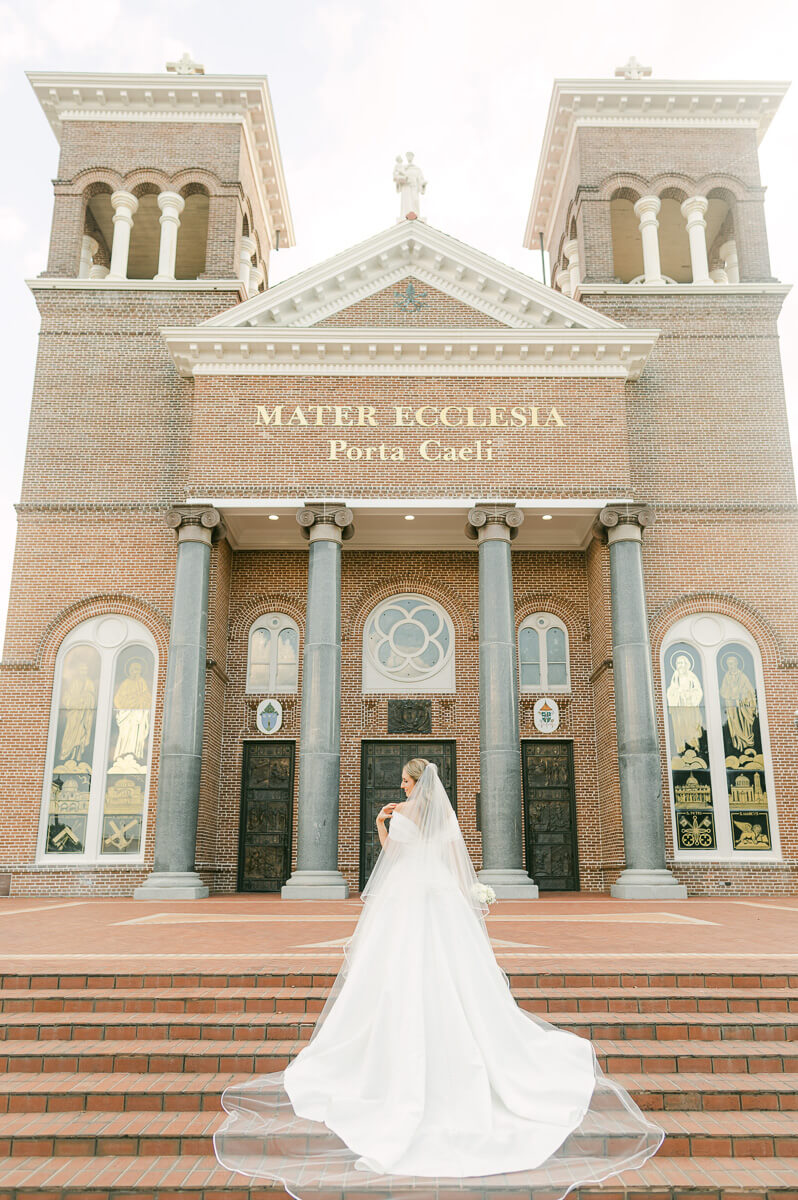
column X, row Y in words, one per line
column 484, row 893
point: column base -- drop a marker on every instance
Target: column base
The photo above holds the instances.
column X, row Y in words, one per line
column 315, row 885
column 510, row 884
column 640, row 884
column 171, row 885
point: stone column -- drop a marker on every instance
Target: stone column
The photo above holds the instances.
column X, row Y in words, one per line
column 571, row 252
column 256, row 278
column 124, row 206
column 718, row 275
column 171, row 206
column 494, row 526
column 562, row 280
column 693, row 210
column 98, row 271
column 245, row 259
column 728, row 252
column 173, row 876
column 88, row 248
column 646, row 209
column 317, row 876
column 646, row 876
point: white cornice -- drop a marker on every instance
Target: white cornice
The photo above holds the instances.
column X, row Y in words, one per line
column 635, row 291
column 412, row 248
column 615, row 353
column 638, row 102
column 77, row 96
column 145, row 285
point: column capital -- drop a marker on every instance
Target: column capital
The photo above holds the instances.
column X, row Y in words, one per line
column 124, row 205
column 330, row 521
column 694, row 208
column 488, row 520
column 195, row 524
column 571, row 249
column 624, row 522
column 647, row 206
column 173, row 201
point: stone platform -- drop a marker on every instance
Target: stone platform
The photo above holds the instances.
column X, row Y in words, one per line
column 121, row 1023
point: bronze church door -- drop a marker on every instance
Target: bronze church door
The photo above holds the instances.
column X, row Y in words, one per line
column 550, row 814
column 267, row 791
column 380, row 775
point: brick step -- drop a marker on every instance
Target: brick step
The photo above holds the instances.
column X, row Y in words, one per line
column 730, row 1135
column 664, row 1027
column 273, row 1054
column 201, row 1178
column 311, row 999
column 310, row 977
column 54, row 1092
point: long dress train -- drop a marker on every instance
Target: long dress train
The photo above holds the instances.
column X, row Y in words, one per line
column 423, row 1076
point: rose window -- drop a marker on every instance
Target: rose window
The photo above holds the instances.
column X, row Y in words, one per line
column 408, row 638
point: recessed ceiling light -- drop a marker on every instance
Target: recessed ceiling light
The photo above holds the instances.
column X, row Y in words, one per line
column 409, row 517
column 273, row 517
column 547, row 516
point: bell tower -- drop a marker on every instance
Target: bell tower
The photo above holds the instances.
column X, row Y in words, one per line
column 653, row 183
column 164, row 179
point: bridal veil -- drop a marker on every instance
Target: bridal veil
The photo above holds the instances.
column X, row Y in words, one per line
column 422, row 1076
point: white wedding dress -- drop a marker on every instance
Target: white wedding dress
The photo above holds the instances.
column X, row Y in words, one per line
column 422, row 1074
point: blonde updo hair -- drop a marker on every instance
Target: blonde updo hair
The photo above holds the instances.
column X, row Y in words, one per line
column 415, row 768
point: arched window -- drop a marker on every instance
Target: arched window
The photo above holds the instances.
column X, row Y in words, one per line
column 721, row 776
column 145, row 236
column 192, row 237
column 97, row 774
column 543, row 660
column 408, row 646
column 627, row 244
column 674, row 244
column 273, row 655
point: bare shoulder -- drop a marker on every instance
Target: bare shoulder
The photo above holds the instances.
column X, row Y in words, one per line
column 401, row 804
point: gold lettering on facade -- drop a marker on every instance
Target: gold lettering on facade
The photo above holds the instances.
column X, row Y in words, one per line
column 340, row 449
column 366, row 413
column 264, row 417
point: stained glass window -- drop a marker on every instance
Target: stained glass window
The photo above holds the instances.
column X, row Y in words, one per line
column 128, row 756
column 408, row 645
column 720, row 769
column 99, row 748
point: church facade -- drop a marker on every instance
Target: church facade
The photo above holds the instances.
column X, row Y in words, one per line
column 276, row 540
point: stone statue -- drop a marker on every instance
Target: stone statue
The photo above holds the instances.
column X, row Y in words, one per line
column 411, row 185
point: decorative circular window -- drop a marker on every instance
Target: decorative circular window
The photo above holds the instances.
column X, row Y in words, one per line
column 408, row 645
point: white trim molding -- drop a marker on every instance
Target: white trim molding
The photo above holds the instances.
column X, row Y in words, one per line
column 431, row 256
column 128, row 285
column 611, row 353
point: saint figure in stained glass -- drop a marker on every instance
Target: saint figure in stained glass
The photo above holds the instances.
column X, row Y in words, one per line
column 739, row 698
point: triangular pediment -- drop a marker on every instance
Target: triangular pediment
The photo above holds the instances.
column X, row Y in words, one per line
column 367, row 286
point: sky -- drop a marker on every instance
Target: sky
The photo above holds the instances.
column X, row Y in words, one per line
column 464, row 84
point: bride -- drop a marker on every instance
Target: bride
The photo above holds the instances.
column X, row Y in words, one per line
column 422, row 1075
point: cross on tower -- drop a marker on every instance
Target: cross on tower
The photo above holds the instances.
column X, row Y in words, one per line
column 186, row 66
column 632, row 69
